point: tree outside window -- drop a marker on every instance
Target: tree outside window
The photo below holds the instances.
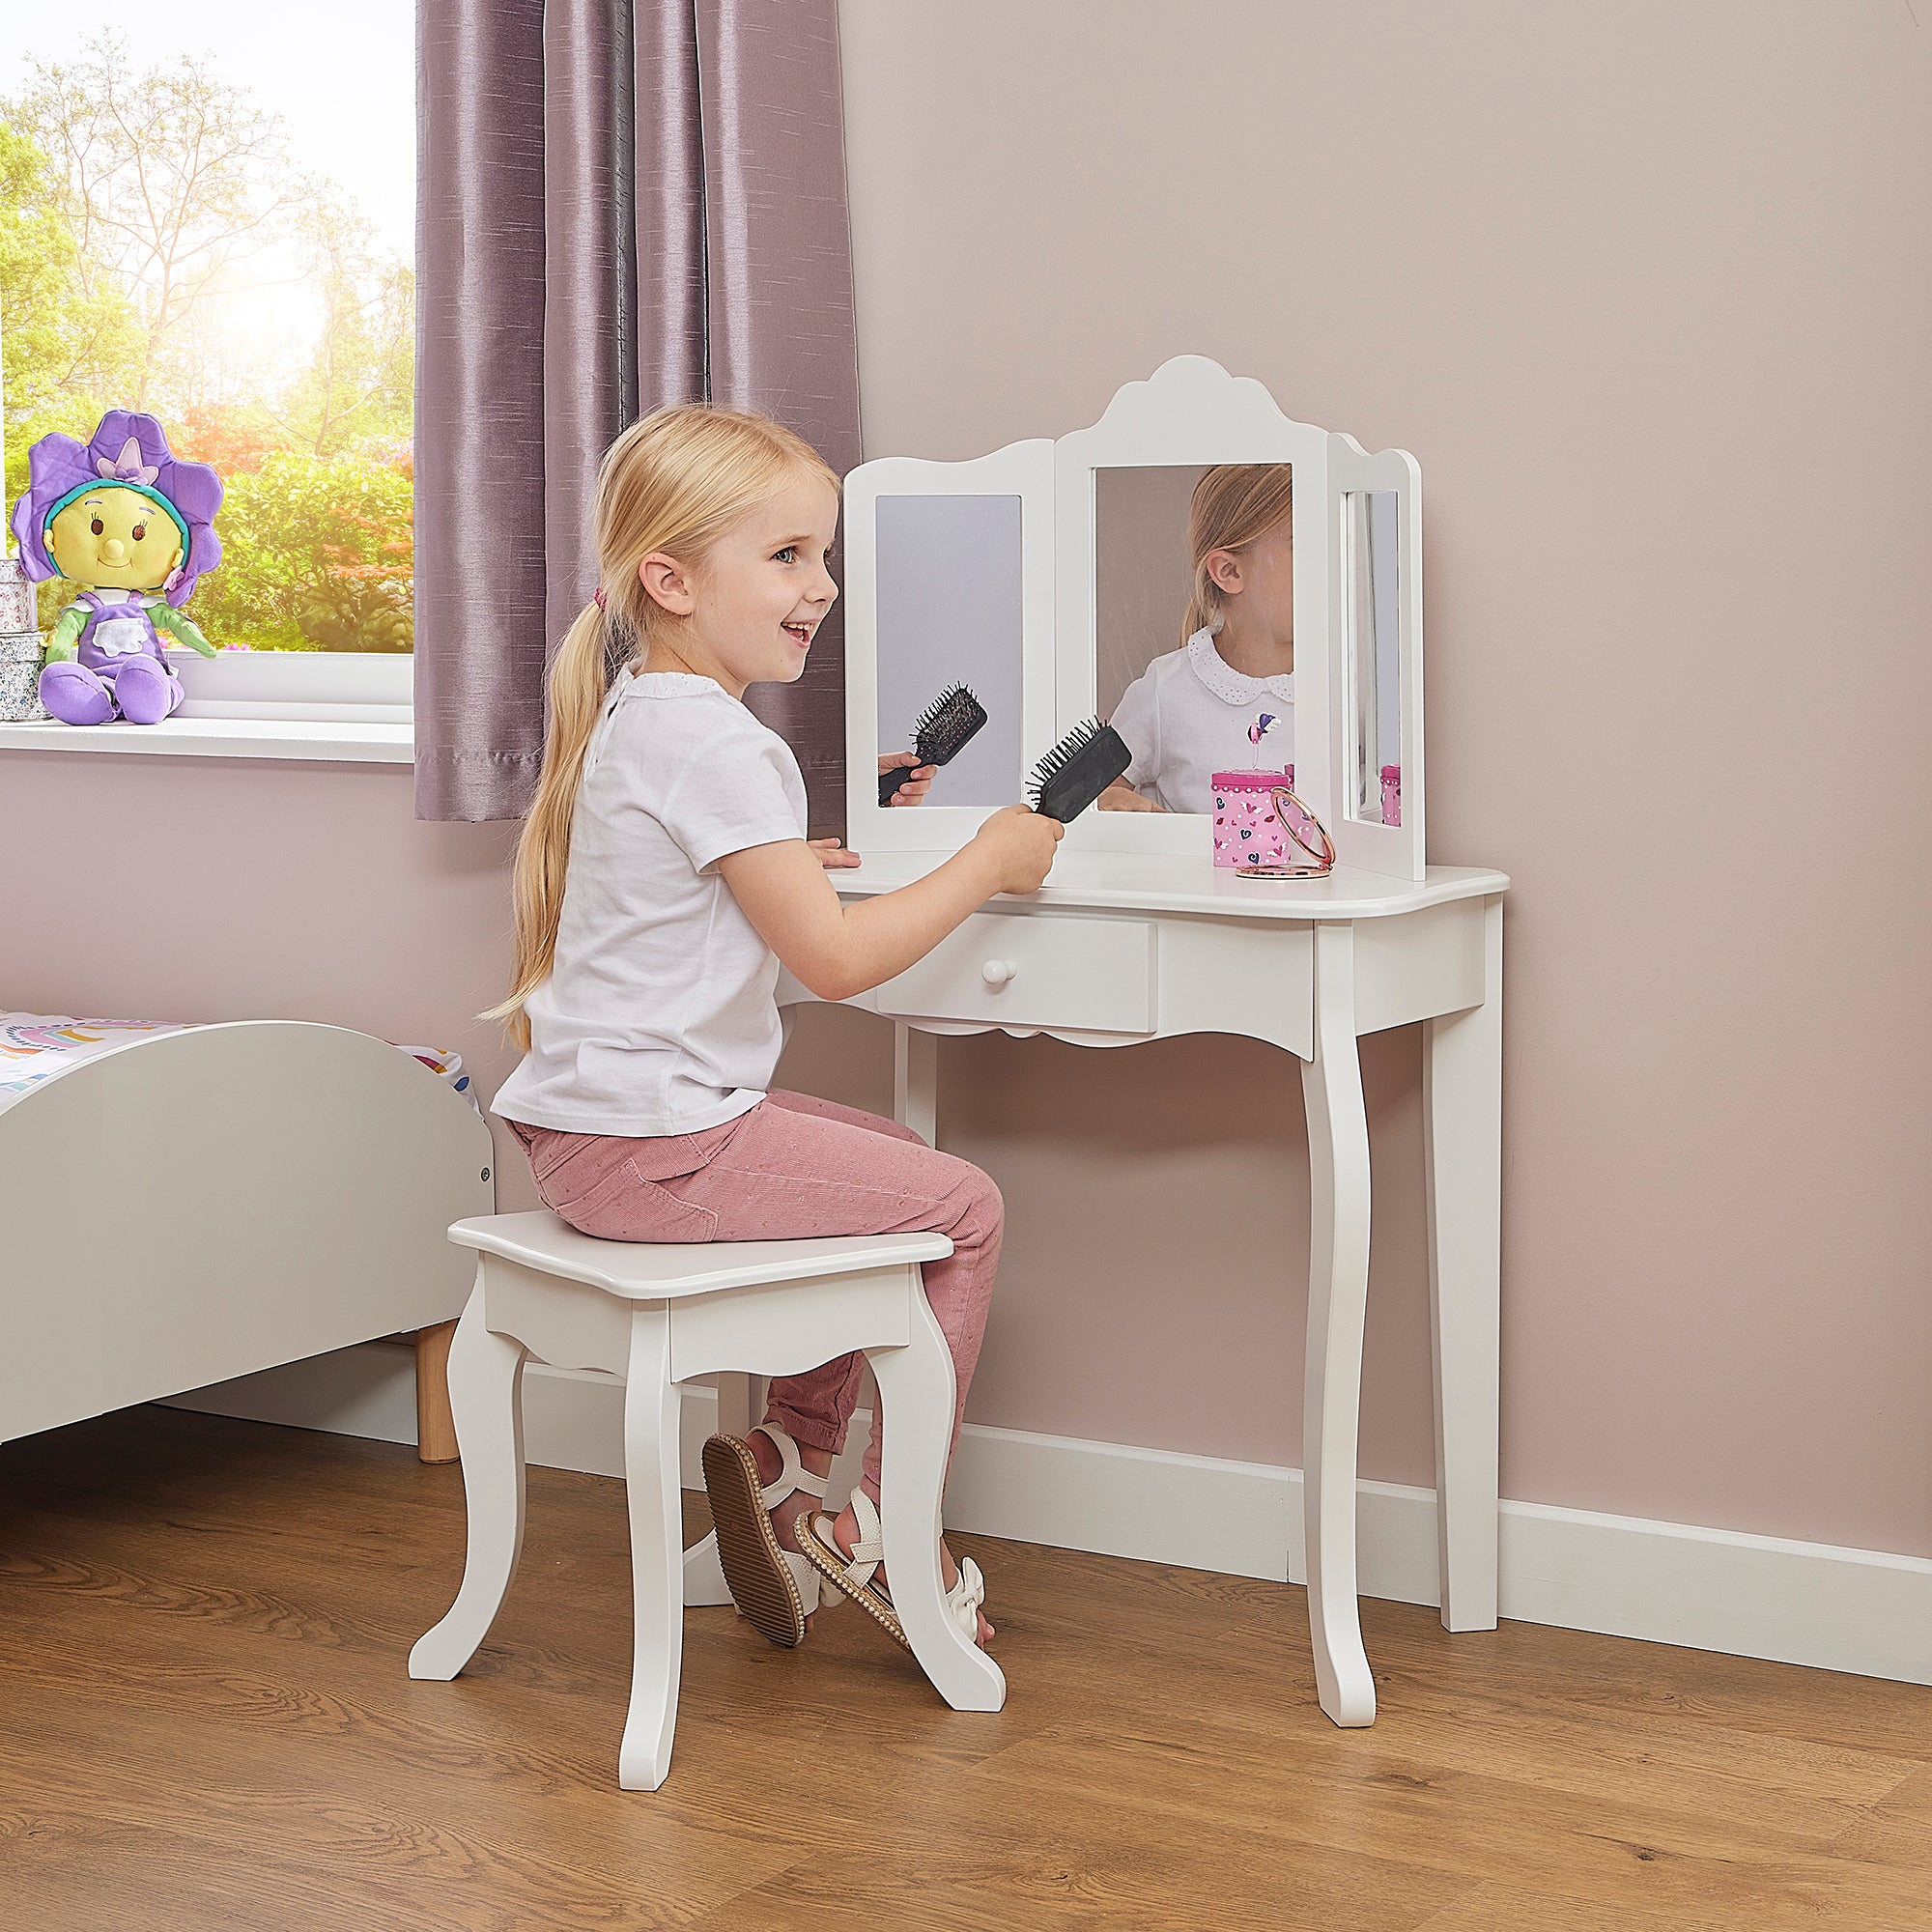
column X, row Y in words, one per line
column 164, row 247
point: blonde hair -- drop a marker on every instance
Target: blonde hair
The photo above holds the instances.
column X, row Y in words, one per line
column 1234, row 503
column 672, row 482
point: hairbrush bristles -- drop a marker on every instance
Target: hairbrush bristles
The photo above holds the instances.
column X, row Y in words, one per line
column 939, row 734
column 1061, row 755
column 947, row 723
column 1078, row 770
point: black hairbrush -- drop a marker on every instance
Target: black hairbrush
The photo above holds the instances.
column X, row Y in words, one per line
column 1078, row 770
column 939, row 736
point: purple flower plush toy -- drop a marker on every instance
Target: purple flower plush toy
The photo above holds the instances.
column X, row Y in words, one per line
column 134, row 526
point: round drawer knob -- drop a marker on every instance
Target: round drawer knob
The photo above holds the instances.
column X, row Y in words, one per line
column 997, row 972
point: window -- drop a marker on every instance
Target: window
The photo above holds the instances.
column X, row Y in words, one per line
column 224, row 237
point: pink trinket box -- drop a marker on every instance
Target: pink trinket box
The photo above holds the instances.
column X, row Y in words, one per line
column 1246, row 830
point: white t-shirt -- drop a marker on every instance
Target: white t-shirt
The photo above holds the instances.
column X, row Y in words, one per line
column 1187, row 715
column 658, row 1014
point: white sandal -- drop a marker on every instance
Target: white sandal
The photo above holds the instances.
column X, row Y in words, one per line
column 773, row 1587
column 853, row 1577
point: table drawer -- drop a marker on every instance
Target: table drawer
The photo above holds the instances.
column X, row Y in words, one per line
column 1093, row 974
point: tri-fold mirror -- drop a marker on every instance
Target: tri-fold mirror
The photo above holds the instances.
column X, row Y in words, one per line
column 1231, row 590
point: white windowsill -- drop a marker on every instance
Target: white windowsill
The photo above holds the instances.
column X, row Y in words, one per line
column 328, row 708
column 330, row 740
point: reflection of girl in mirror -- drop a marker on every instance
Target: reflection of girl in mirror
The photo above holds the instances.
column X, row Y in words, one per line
column 1225, row 700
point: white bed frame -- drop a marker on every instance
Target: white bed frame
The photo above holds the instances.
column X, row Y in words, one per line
column 205, row 1204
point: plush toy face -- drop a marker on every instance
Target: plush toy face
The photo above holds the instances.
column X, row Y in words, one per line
column 115, row 537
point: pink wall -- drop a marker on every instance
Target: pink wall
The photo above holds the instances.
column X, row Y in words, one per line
column 1646, row 290
column 228, row 888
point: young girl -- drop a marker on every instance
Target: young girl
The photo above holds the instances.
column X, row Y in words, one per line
column 662, row 876
column 1225, row 700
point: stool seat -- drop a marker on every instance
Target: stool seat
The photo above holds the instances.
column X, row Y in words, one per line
column 662, row 1270
column 659, row 1314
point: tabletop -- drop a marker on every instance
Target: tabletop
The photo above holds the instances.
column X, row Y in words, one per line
column 1158, row 882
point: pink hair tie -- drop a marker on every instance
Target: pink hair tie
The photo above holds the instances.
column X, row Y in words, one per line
column 597, row 598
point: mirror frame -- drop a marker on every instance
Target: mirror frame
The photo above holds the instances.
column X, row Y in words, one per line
column 1022, row 470
column 1190, row 411
column 1398, row 851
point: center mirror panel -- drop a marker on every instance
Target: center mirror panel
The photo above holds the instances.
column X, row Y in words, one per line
column 951, row 611
column 1141, row 577
column 1194, row 626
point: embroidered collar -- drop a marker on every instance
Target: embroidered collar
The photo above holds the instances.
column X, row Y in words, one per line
column 1225, row 682
column 673, row 684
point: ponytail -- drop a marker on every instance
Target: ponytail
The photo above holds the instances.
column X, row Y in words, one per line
column 580, row 675
column 672, row 482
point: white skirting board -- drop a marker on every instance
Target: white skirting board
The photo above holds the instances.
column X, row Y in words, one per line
column 1858, row 1610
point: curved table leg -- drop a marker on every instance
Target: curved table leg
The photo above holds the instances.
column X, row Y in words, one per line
column 486, row 1373
column 916, row 1397
column 1338, row 1290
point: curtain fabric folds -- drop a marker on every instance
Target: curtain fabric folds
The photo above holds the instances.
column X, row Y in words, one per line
column 620, row 203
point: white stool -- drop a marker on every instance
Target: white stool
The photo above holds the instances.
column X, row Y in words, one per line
column 658, row 1314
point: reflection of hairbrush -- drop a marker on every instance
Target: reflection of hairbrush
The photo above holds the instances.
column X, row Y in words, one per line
column 1078, row 770
column 939, row 736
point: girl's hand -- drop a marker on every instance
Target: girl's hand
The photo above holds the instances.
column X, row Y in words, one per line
column 832, row 855
column 1020, row 841
column 1121, row 796
column 921, row 782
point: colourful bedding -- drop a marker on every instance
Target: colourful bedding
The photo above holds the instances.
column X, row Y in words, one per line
column 37, row 1047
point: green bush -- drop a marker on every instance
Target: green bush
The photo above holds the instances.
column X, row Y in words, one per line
column 318, row 553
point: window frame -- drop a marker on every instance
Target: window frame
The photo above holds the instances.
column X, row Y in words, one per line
column 319, row 686
column 357, row 706
column 325, row 707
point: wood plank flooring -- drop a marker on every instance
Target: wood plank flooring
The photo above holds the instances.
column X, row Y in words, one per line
column 205, row 1722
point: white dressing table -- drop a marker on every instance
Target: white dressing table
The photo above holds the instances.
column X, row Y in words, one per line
column 1047, row 576
column 1120, row 948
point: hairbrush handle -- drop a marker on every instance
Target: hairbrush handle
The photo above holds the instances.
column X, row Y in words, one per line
column 943, row 729
column 894, row 781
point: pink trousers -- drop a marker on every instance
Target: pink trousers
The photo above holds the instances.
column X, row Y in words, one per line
column 790, row 1168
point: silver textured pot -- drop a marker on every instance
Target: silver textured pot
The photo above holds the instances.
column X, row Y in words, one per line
column 17, row 598
column 19, row 677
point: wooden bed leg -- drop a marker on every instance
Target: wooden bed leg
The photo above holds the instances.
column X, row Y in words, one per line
column 436, row 1429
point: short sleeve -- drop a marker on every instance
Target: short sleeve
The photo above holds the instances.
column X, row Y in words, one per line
column 1137, row 719
column 741, row 791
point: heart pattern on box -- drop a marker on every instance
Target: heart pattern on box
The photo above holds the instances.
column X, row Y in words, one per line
column 1247, row 831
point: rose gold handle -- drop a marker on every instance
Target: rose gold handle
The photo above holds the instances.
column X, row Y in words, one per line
column 1326, row 857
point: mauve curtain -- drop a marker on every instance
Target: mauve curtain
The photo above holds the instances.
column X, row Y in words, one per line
column 620, row 203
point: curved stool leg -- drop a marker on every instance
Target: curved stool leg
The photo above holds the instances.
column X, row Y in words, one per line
column 486, row 1373
column 739, row 1403
column 916, row 1395
column 704, row 1584
column 657, row 1551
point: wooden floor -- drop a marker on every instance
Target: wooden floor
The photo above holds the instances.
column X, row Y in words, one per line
column 205, row 1722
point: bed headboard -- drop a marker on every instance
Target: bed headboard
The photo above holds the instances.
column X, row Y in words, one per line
column 204, row 1203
